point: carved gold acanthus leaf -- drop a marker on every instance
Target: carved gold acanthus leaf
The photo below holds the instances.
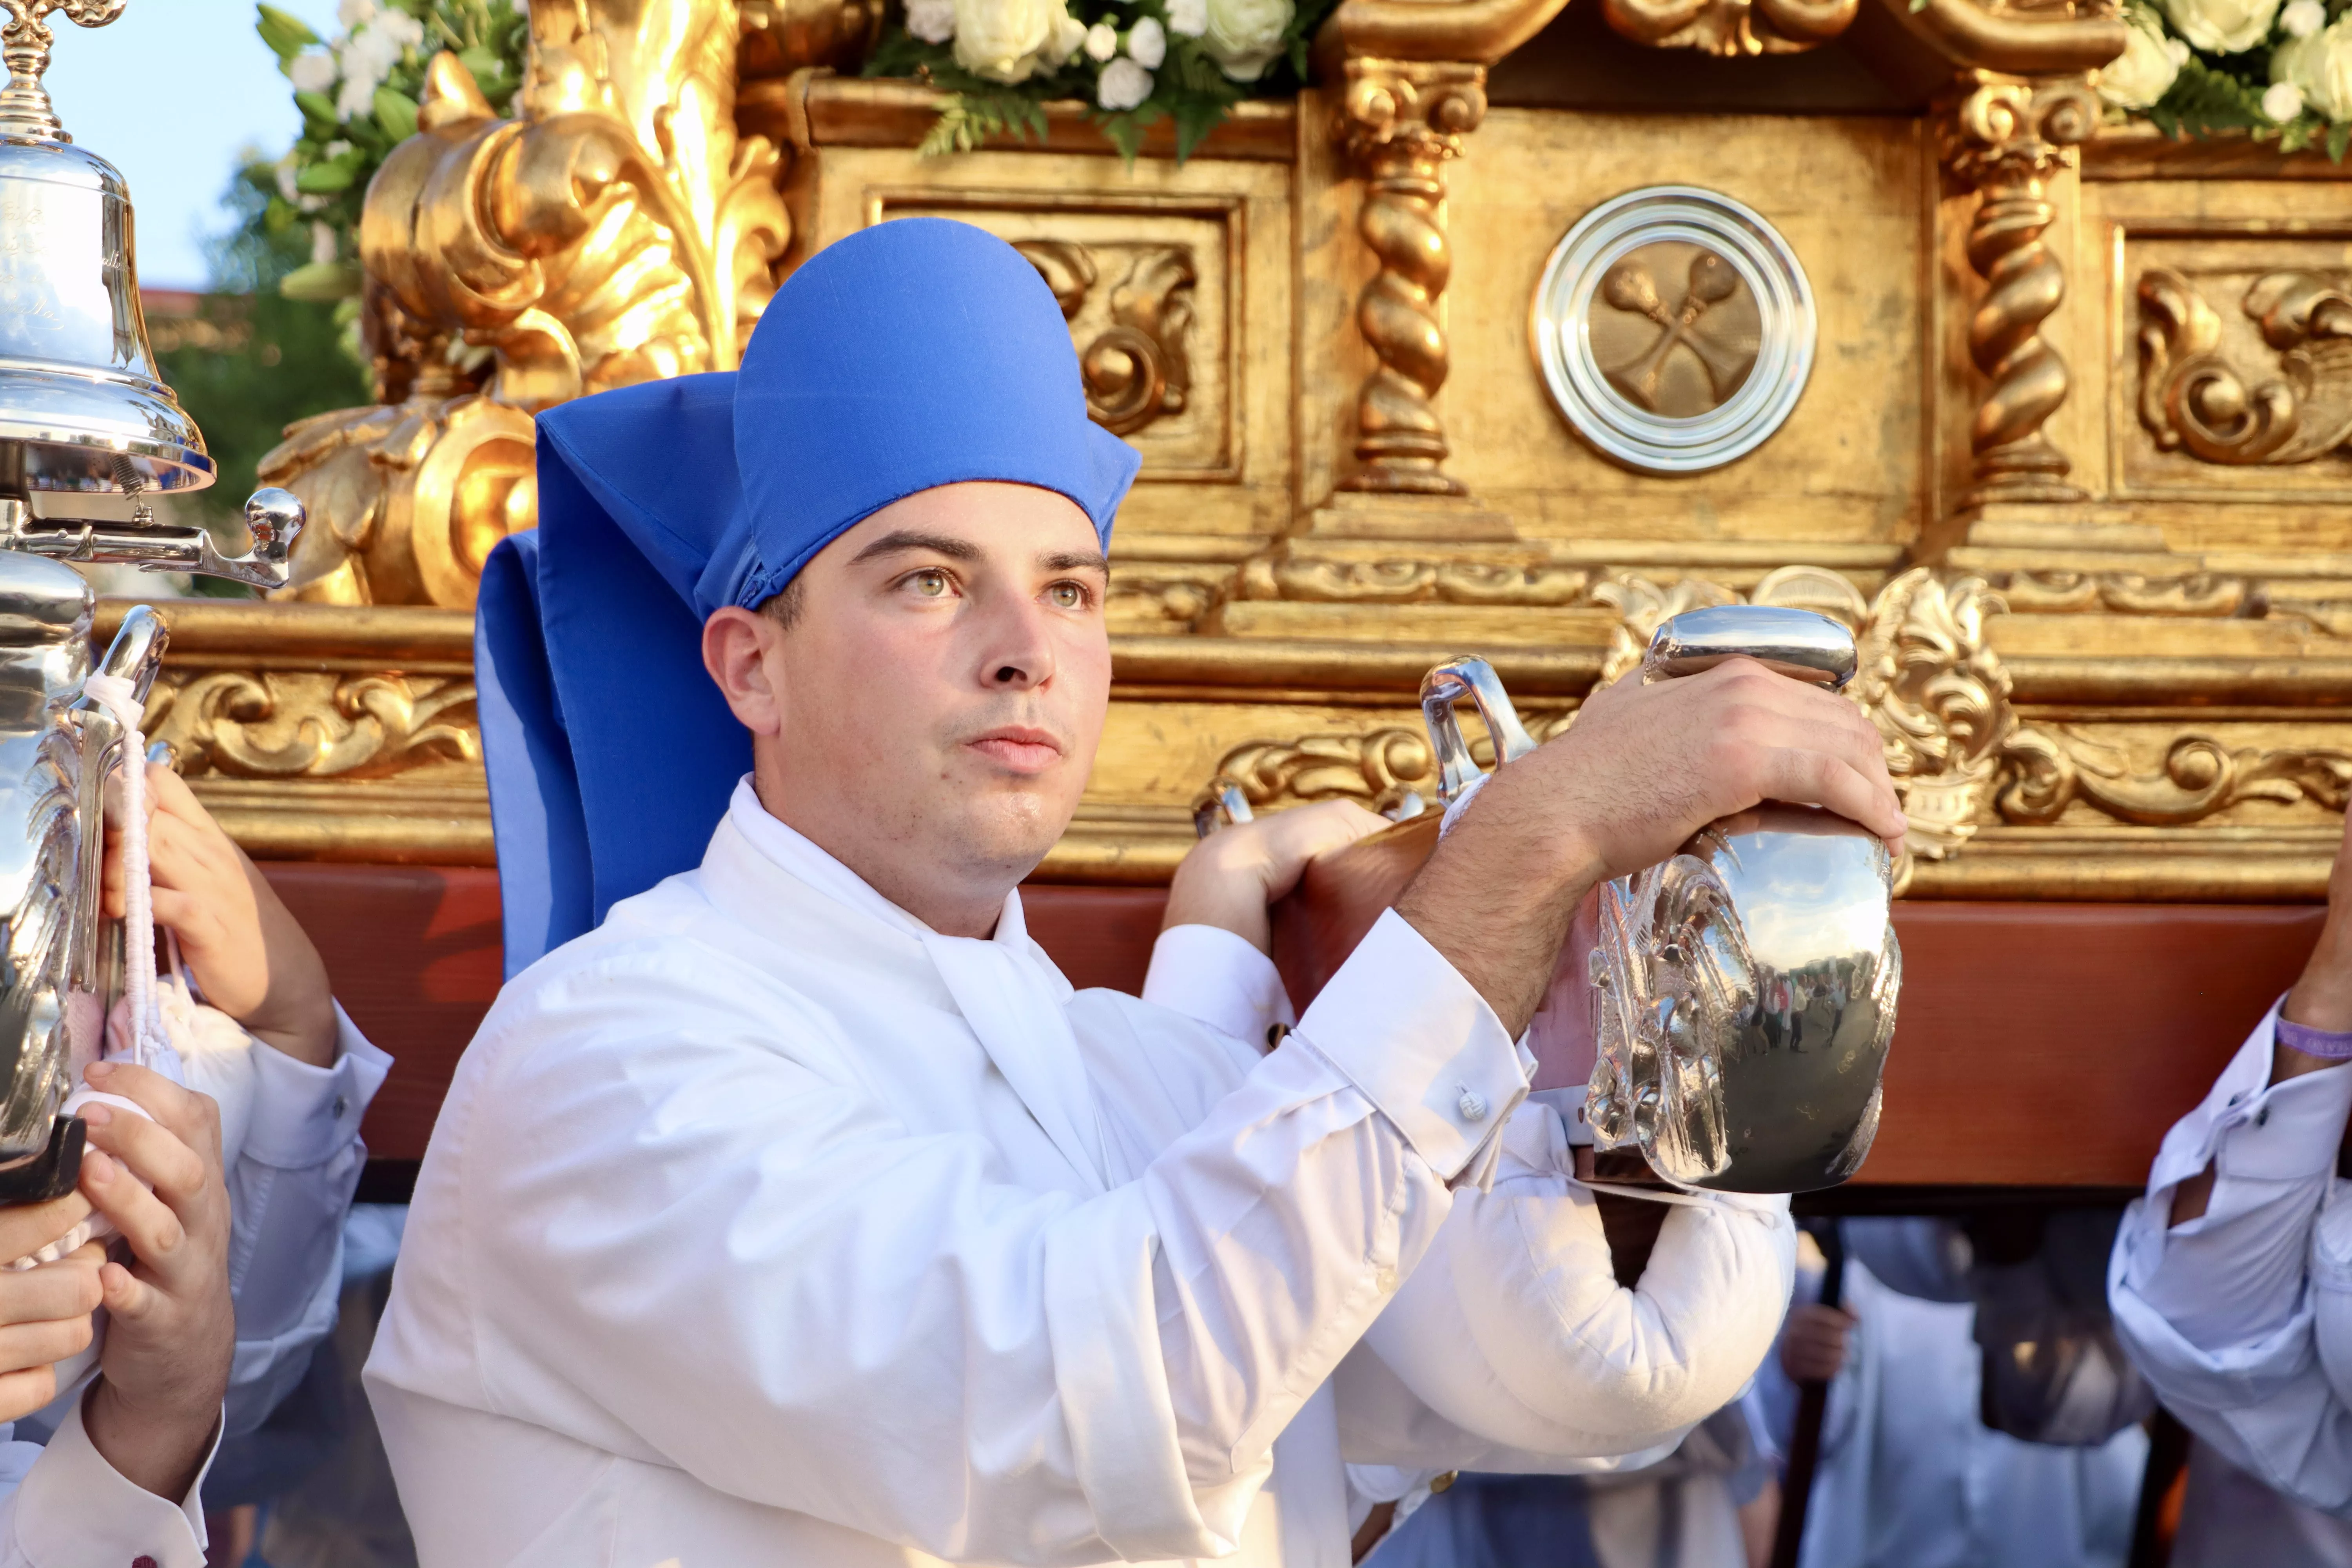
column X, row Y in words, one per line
column 2055, row 766
column 300, row 724
column 1731, row 27
column 2192, row 398
column 615, row 231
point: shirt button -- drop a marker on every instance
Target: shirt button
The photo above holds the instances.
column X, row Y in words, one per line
column 342, row 1103
column 1387, row 1281
column 1473, row 1105
column 2262, row 1117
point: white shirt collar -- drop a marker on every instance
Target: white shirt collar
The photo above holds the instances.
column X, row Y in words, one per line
column 798, row 855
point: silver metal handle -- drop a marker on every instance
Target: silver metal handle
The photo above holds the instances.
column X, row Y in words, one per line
column 1472, row 677
column 135, row 655
column 274, row 517
column 1802, row 644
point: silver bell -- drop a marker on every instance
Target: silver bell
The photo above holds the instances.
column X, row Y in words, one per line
column 83, row 412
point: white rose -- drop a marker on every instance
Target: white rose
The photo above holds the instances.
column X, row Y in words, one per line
column 2301, row 18
column 2222, row 27
column 358, row 96
column 312, row 70
column 352, row 13
column 1148, row 42
column 1122, row 85
column 933, row 21
column 1243, row 36
column 2281, row 101
column 400, row 27
column 1007, row 40
column 1102, row 41
column 2320, row 68
column 2147, row 67
column 1188, row 19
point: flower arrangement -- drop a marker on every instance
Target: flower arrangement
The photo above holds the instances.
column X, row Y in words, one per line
column 1135, row 61
column 2276, row 69
column 358, row 93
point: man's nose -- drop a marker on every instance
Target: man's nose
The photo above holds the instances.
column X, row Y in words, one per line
column 1016, row 652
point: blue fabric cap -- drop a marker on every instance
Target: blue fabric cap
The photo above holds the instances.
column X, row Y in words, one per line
column 912, row 354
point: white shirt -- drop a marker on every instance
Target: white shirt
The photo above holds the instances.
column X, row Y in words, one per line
column 1910, row 1476
column 765, row 1225
column 2243, row 1318
column 290, row 1184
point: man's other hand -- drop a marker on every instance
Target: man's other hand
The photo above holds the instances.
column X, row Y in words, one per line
column 45, row 1312
column 171, row 1328
column 1228, row 878
column 1643, row 769
column 251, row 957
column 1813, row 1342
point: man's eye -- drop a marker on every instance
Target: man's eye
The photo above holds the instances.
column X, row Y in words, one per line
column 930, row 585
column 1067, row 596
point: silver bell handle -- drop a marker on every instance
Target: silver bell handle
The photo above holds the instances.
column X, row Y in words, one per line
column 1472, row 677
column 274, row 517
column 1803, row 644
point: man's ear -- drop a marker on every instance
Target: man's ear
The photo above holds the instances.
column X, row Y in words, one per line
column 735, row 647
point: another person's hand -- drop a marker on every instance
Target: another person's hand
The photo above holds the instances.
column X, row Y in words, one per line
column 171, row 1328
column 1813, row 1342
column 244, row 948
column 1228, row 878
column 1643, row 769
column 45, row 1311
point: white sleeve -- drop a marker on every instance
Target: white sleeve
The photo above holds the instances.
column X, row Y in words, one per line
column 908, row 1343
column 1514, row 1333
column 1218, row 978
column 288, row 1191
column 2220, row 1311
column 63, row 1506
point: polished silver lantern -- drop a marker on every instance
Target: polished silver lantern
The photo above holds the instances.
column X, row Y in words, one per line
column 1743, row 992
column 88, row 437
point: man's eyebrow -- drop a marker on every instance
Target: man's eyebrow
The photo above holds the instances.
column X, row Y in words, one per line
column 905, row 539
column 1077, row 561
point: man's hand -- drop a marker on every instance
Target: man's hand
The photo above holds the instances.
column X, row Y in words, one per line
column 1643, row 768
column 246, row 950
column 171, row 1328
column 1228, row 878
column 44, row 1311
column 1813, row 1342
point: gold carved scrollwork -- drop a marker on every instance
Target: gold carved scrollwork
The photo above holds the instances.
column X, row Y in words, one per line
column 1378, row 769
column 1731, row 27
column 2195, row 593
column 2193, row 398
column 1131, row 337
column 1413, row 583
column 1402, row 120
column 274, row 724
column 2057, row 766
column 616, row 230
column 2004, row 138
column 1939, row 696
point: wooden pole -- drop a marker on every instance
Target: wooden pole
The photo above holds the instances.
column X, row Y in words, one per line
column 1813, row 1402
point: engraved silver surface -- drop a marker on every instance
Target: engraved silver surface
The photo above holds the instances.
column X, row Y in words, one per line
column 1744, row 992
column 1674, row 328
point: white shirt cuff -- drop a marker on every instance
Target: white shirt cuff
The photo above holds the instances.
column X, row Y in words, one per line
column 74, row 1509
column 1422, row 1045
column 1220, row 978
column 303, row 1115
column 2251, row 1129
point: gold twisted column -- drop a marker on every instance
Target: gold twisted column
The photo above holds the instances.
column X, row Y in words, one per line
column 2005, row 139
column 1404, row 121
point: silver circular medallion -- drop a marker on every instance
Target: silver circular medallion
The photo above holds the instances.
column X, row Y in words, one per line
column 1674, row 328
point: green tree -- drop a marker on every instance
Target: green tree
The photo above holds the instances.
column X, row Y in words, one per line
column 273, row 360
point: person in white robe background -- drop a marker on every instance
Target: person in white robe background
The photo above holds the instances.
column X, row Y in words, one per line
column 2231, row 1279
column 798, row 1212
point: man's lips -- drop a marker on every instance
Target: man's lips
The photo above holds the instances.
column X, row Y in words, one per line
column 1019, row 748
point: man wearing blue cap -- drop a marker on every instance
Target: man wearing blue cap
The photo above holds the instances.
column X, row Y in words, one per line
column 794, row 1209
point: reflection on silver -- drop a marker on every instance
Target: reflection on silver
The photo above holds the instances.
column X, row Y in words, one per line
column 1220, row 804
column 1467, row 675
column 1674, row 328
column 1804, row 643
column 1744, row 992
column 56, row 747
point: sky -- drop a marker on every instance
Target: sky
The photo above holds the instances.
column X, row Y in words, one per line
column 170, row 92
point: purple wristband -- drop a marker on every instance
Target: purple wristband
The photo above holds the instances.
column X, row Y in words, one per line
column 2314, row 1042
